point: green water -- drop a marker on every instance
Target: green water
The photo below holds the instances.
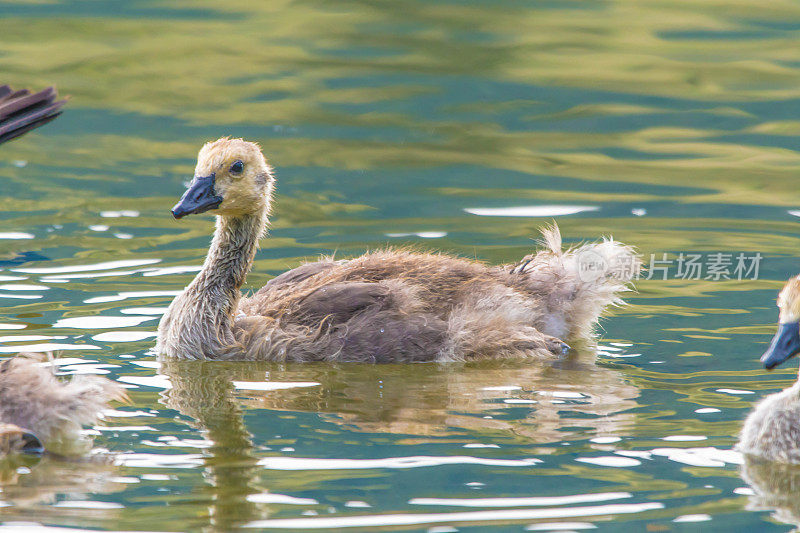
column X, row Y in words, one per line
column 674, row 123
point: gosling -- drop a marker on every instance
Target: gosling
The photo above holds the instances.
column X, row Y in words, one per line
column 37, row 409
column 385, row 306
column 772, row 429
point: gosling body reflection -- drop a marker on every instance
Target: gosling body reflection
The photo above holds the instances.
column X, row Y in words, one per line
column 529, row 403
column 775, row 488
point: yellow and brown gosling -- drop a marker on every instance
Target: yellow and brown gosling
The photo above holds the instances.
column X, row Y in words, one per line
column 385, row 306
column 37, row 409
column 772, row 429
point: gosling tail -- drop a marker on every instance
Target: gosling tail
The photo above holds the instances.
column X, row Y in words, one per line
column 578, row 283
column 21, row 111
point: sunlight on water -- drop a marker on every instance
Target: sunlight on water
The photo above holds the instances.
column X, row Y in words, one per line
column 474, row 516
column 530, row 211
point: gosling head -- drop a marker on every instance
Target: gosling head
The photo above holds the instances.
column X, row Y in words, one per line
column 232, row 178
column 786, row 342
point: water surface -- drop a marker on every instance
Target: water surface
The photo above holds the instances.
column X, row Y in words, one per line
column 457, row 126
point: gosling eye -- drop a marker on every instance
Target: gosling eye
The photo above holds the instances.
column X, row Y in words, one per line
column 237, row 167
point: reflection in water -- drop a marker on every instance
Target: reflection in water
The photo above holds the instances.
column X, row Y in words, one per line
column 422, row 400
column 28, row 485
column 417, row 399
column 776, row 487
column 205, row 392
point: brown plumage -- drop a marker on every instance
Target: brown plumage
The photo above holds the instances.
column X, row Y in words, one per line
column 772, row 429
column 21, row 111
column 36, row 407
column 385, row 306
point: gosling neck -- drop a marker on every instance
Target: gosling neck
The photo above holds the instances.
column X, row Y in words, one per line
column 229, row 259
column 199, row 323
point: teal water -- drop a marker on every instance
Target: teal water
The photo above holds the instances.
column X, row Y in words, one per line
column 671, row 125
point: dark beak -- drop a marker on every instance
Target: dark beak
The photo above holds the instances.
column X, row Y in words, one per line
column 31, row 444
column 785, row 344
column 198, row 198
column 14, row 439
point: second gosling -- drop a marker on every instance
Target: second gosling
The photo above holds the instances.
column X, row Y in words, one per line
column 38, row 410
column 772, row 429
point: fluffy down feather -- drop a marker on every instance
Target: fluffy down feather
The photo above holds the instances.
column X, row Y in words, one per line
column 385, row 306
column 32, row 398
